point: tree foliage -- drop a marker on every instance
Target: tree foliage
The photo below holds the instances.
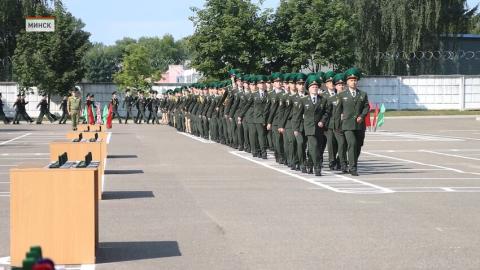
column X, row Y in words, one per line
column 51, row 61
column 228, row 33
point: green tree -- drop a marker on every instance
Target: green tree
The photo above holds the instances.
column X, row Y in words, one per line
column 162, row 51
column 229, row 34
column 319, row 32
column 52, row 61
column 136, row 70
column 390, row 32
column 101, row 63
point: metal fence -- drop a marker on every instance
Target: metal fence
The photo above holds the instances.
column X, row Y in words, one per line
column 397, row 93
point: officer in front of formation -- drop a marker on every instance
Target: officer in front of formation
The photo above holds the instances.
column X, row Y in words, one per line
column 353, row 108
column 74, row 105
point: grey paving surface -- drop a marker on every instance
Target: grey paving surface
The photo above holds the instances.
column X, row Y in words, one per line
column 173, row 202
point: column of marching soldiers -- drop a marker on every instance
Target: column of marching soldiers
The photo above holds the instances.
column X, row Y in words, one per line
column 295, row 115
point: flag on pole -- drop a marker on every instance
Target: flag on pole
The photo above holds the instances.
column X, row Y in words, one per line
column 105, row 114
column 110, row 116
column 368, row 122
column 85, row 115
column 381, row 116
column 375, row 115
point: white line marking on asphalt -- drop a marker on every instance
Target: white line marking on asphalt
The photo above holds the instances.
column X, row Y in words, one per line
column 24, row 154
column 6, row 261
column 449, row 155
column 14, row 139
column 367, row 188
column 19, row 158
column 196, row 138
column 448, row 189
column 108, row 137
column 426, row 178
column 421, row 163
column 4, row 182
column 1, row 165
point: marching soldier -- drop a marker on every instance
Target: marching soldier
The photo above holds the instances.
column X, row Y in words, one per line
column 127, row 105
column 2, row 113
column 316, row 113
column 115, row 102
column 353, row 108
column 140, row 104
column 297, row 123
column 331, row 95
column 44, row 111
column 273, row 117
column 239, row 101
column 20, row 110
column 64, row 108
column 335, row 123
column 260, row 115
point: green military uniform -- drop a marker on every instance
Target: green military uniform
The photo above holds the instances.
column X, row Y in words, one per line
column 274, row 119
column 335, row 125
column 260, row 115
column 332, row 144
column 315, row 110
column 297, row 126
column 353, row 104
column 74, row 104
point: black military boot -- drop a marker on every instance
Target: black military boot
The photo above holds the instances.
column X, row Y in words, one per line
column 318, row 171
column 264, row 155
column 303, row 169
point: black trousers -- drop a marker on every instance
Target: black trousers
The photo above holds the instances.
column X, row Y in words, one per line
column 4, row 117
column 140, row 116
column 64, row 118
column 47, row 114
column 129, row 113
column 115, row 114
column 24, row 115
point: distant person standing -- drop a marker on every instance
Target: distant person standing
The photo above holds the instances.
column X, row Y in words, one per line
column 64, row 108
column 74, row 107
column 44, row 111
column 2, row 114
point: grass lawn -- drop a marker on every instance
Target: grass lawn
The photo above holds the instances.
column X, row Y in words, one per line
column 430, row 112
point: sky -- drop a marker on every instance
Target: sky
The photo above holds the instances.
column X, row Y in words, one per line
column 111, row 20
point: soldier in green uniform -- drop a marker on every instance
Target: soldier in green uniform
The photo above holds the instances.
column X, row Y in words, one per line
column 297, row 123
column 316, row 113
column 335, row 123
column 286, row 123
column 74, row 107
column 331, row 95
column 260, row 114
column 270, row 95
column 353, row 108
column 239, row 103
column 274, row 119
column 247, row 113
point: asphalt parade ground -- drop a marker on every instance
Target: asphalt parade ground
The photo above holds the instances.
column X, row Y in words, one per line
column 173, row 201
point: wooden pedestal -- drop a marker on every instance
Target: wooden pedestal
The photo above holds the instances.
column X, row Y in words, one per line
column 88, row 135
column 76, row 151
column 56, row 209
column 93, row 128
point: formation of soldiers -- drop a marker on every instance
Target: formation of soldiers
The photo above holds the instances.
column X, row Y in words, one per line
column 297, row 116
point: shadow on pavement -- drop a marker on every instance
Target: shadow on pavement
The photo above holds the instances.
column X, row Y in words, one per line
column 121, row 195
column 123, row 171
column 122, row 156
column 109, row 252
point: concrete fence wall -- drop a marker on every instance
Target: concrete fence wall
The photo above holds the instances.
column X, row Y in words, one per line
column 398, row 93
